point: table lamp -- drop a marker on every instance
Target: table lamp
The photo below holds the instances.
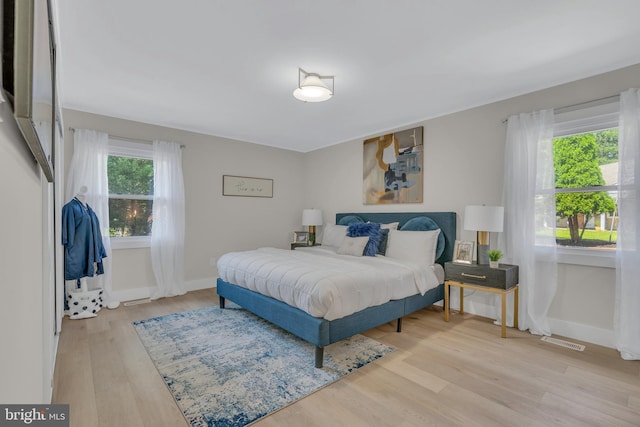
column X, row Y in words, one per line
column 483, row 219
column 312, row 218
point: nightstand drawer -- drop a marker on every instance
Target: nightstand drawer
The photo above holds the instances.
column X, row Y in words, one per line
column 503, row 277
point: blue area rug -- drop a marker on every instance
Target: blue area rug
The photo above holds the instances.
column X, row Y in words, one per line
column 229, row 367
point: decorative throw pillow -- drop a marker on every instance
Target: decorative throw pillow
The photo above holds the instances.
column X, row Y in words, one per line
column 369, row 229
column 333, row 235
column 415, row 246
column 350, row 219
column 353, row 246
column 384, row 236
column 424, row 223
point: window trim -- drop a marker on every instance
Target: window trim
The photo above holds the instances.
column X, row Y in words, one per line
column 578, row 256
column 131, row 196
column 589, row 117
column 120, row 147
column 589, row 257
column 131, row 242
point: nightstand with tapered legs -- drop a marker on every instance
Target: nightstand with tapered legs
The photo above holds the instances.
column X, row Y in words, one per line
column 502, row 281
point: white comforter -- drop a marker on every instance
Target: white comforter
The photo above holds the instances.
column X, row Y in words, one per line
column 323, row 283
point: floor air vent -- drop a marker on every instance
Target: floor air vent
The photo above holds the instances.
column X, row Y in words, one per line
column 137, row 302
column 563, row 343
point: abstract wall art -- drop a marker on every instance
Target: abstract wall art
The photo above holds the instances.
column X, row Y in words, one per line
column 393, row 168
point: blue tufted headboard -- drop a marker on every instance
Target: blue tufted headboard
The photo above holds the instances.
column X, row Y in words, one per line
column 445, row 220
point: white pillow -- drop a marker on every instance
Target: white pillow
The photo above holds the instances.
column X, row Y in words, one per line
column 417, row 246
column 390, row 226
column 353, row 245
column 333, row 235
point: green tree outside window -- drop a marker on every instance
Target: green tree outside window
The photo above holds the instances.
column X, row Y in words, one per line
column 577, row 161
column 130, row 196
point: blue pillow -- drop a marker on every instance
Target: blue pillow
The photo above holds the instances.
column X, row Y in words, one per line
column 370, row 229
column 350, row 219
column 384, row 238
column 424, row 223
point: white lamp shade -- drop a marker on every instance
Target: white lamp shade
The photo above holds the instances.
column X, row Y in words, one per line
column 312, row 89
column 484, row 218
column 312, row 217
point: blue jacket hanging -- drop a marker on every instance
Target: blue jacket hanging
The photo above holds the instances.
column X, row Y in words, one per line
column 82, row 239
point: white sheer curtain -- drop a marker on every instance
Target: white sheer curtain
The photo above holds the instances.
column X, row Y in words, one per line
column 528, row 239
column 627, row 302
column 89, row 168
column 167, row 231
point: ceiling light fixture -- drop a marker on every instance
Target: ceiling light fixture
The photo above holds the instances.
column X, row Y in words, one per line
column 311, row 87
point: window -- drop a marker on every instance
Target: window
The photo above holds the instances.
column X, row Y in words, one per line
column 585, row 153
column 130, row 172
column 586, row 171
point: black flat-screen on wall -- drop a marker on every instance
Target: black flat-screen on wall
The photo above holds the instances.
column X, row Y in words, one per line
column 28, row 74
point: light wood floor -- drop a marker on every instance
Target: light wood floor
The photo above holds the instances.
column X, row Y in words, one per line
column 459, row 373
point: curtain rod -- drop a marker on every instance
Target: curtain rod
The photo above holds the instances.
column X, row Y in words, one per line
column 585, row 104
column 592, row 103
column 126, row 138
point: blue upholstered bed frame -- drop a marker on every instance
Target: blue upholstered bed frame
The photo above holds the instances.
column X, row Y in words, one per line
column 321, row 332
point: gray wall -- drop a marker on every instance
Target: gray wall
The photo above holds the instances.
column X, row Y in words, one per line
column 464, row 163
column 215, row 224
column 22, row 285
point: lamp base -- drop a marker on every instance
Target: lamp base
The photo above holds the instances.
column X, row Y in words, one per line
column 483, row 254
column 312, row 235
column 483, row 247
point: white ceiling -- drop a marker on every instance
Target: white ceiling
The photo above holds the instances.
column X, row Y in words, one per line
column 228, row 68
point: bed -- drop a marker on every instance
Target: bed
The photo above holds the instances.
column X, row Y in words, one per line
column 321, row 331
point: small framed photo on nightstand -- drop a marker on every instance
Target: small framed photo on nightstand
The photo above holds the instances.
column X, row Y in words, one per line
column 301, row 237
column 463, row 251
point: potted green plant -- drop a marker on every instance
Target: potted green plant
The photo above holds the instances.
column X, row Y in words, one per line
column 494, row 257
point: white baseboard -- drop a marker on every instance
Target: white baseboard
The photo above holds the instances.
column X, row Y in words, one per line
column 578, row 331
column 480, row 303
column 133, row 294
column 564, row 328
column 142, row 293
column 196, row 285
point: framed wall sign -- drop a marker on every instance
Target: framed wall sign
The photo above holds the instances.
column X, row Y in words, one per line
column 246, row 186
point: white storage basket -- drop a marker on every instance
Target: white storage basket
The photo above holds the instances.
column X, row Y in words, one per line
column 84, row 304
